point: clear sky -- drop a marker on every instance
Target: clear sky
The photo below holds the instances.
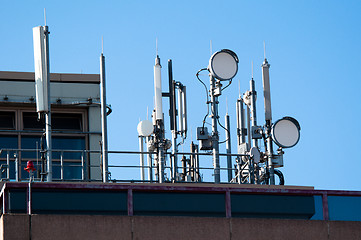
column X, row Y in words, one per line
column 313, row 48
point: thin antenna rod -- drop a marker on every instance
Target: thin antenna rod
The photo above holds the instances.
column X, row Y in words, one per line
column 156, row 46
column 102, row 45
column 239, row 87
column 210, row 47
column 226, row 106
column 252, row 69
column 264, row 49
column 45, row 16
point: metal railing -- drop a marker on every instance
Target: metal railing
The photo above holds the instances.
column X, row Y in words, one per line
column 124, row 166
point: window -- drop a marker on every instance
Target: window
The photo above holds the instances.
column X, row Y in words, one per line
column 7, row 120
column 68, row 133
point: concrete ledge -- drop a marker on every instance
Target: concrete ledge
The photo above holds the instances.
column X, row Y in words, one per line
column 17, row 226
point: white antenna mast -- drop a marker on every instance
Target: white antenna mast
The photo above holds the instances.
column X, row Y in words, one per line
column 210, row 47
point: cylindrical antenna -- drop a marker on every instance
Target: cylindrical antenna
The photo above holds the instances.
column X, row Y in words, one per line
column 158, row 89
column 210, row 47
column 184, row 110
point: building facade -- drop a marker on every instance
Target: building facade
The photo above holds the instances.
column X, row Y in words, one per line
column 76, row 126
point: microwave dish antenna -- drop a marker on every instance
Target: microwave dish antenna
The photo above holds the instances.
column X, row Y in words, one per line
column 223, row 64
column 286, row 132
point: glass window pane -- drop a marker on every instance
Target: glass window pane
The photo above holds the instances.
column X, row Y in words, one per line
column 7, row 120
column 344, row 208
column 318, row 208
column 68, row 143
column 66, row 121
column 71, row 171
column 30, row 121
column 31, row 142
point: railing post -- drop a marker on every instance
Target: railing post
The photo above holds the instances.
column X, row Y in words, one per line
column 82, row 167
column 8, row 163
column 62, row 166
column 16, row 166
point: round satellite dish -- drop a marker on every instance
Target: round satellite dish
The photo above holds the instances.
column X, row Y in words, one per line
column 255, row 154
column 145, row 128
column 286, row 132
column 223, row 64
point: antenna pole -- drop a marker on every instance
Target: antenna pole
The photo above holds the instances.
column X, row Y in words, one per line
column 228, row 148
column 104, row 119
column 268, row 117
column 48, row 113
column 173, row 121
column 215, row 136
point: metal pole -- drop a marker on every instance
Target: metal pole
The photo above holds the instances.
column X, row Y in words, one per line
column 141, row 148
column 173, row 121
column 16, row 167
column 82, row 167
column 104, row 119
column 62, row 166
column 48, row 114
column 215, row 137
column 254, row 124
column 8, row 163
column 228, row 148
column 150, row 164
column 268, row 117
column 253, row 109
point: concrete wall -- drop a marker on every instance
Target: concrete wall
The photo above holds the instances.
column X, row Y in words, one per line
column 140, row 227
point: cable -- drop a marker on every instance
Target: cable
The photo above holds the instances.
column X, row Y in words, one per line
column 224, row 129
column 230, row 81
column 197, row 75
column 280, row 175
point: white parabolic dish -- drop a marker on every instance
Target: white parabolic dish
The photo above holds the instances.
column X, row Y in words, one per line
column 285, row 132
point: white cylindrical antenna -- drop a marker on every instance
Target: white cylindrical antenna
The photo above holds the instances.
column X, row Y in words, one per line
column 158, row 89
column 210, row 47
column 184, row 110
column 180, row 110
column 266, row 91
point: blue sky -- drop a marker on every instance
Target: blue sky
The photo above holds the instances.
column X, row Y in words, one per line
column 313, row 48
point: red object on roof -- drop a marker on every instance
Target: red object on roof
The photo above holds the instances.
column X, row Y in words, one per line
column 30, row 166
